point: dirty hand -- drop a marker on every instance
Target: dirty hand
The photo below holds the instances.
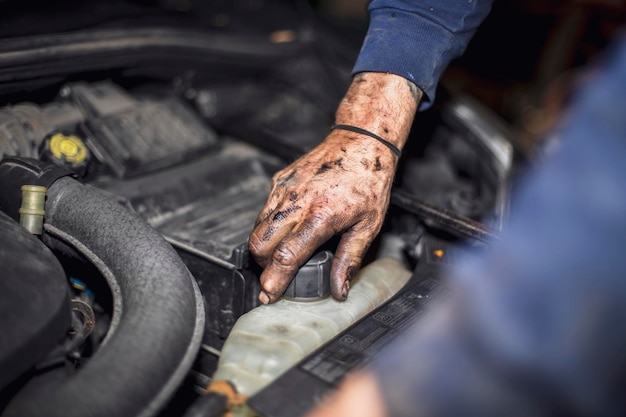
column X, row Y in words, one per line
column 341, row 186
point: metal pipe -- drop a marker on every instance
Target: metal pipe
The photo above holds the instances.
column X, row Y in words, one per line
column 445, row 219
column 32, row 208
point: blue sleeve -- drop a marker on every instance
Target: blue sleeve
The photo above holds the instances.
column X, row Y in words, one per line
column 536, row 327
column 418, row 39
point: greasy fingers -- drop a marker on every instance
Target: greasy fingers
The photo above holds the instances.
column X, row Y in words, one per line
column 291, row 253
column 276, row 195
column 275, row 219
column 349, row 255
column 270, row 231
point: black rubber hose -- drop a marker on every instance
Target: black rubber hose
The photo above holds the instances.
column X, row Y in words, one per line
column 68, row 53
column 158, row 317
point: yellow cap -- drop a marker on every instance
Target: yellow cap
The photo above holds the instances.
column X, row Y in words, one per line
column 68, row 148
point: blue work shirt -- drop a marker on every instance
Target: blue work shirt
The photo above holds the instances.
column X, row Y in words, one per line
column 418, row 39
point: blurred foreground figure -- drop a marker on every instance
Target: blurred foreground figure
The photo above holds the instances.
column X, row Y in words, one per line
column 537, row 327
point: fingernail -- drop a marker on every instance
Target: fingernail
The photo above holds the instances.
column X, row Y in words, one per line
column 264, row 298
column 345, row 289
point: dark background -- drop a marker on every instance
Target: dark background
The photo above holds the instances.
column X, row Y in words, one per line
column 522, row 63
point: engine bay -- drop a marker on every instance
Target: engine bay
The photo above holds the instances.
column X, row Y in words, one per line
column 156, row 146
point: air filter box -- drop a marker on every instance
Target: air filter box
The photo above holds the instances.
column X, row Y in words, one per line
column 206, row 209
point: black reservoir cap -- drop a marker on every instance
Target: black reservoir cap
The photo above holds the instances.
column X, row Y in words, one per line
column 313, row 278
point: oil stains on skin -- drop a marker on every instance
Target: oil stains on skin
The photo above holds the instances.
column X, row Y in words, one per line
column 283, row 181
column 306, row 232
column 329, row 165
column 283, row 214
column 268, row 233
column 279, row 216
column 415, row 92
column 351, row 272
column 325, row 167
column 377, row 165
column 358, row 192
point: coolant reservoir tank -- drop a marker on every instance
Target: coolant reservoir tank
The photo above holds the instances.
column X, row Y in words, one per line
column 270, row 339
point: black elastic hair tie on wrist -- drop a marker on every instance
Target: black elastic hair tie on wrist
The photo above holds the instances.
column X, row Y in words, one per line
column 355, row 129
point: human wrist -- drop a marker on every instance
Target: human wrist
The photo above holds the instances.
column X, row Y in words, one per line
column 381, row 103
column 372, row 135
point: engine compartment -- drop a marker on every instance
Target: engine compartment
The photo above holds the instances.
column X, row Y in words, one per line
column 157, row 169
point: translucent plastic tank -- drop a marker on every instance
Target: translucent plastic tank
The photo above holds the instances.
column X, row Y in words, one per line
column 270, row 339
